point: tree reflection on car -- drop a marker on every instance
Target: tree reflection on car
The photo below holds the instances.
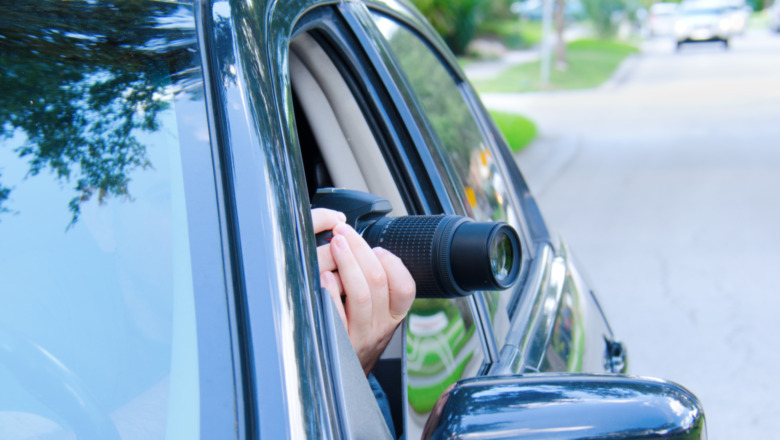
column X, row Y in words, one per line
column 79, row 117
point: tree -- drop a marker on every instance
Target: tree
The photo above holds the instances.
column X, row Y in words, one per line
column 559, row 17
column 455, row 20
column 601, row 13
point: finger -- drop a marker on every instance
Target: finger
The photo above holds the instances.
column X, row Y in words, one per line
column 358, row 303
column 324, row 219
column 401, row 285
column 325, row 259
column 373, row 271
column 332, row 284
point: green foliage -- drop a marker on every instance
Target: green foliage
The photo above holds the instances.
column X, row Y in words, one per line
column 455, row 20
column 499, row 10
column 518, row 130
column 79, row 90
column 591, row 63
column 601, row 14
column 514, row 34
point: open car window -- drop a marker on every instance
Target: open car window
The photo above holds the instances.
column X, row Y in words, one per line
column 343, row 145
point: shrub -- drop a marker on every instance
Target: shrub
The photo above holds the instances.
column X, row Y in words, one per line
column 518, row 130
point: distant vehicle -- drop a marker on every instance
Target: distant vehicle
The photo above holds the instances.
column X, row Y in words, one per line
column 661, row 18
column 774, row 16
column 703, row 21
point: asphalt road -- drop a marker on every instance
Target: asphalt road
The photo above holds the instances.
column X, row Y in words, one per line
column 666, row 184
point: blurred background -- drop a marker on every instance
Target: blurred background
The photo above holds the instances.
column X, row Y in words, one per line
column 650, row 134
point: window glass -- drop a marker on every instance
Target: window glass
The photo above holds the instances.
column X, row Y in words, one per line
column 97, row 312
column 466, row 156
column 442, row 342
column 442, row 346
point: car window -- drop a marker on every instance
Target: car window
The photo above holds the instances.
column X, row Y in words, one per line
column 442, row 339
column 97, row 312
column 465, row 150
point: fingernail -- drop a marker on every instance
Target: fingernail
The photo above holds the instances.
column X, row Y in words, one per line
column 342, row 229
column 342, row 217
column 339, row 241
column 380, row 251
column 326, row 278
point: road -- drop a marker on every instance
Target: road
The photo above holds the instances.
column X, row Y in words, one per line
column 666, row 184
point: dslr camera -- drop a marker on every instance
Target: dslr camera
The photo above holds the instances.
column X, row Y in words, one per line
column 449, row 256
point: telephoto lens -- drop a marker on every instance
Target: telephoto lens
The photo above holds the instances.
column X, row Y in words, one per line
column 448, row 255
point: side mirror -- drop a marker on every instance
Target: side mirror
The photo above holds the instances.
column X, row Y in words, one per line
column 566, row 406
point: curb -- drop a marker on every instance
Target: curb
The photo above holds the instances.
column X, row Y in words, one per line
column 545, row 159
column 622, row 73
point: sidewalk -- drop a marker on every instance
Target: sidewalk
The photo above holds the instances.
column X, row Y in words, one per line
column 491, row 68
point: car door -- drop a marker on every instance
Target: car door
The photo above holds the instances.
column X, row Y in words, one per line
column 309, row 95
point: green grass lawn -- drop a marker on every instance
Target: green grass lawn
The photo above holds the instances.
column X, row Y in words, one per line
column 591, row 63
column 518, row 130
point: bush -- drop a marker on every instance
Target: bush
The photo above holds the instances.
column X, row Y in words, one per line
column 518, row 130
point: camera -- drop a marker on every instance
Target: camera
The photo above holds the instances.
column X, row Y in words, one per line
column 449, row 256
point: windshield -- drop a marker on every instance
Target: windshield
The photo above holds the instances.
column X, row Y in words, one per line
column 97, row 325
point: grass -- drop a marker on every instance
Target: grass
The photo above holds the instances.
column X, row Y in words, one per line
column 518, row 130
column 591, row 63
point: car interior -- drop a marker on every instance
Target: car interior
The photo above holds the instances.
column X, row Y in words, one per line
column 339, row 146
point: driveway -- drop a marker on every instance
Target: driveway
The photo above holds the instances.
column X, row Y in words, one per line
column 666, row 184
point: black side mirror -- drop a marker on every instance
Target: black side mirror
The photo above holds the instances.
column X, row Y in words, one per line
column 566, row 406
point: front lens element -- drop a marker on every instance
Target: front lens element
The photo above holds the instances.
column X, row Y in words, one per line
column 501, row 256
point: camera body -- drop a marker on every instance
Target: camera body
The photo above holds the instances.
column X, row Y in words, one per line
column 449, row 256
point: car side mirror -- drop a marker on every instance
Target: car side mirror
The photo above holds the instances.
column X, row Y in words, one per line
column 566, row 406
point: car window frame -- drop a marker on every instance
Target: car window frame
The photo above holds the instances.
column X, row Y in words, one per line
column 385, row 94
column 284, row 390
column 214, row 292
column 329, row 28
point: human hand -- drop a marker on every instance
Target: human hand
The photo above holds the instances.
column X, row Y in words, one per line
column 372, row 289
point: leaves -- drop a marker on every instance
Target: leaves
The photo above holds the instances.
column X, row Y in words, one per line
column 82, row 79
column 454, row 20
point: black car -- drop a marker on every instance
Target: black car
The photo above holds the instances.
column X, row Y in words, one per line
column 158, row 164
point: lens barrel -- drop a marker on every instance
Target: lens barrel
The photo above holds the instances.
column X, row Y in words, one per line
column 448, row 255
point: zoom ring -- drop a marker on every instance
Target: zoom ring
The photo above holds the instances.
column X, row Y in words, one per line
column 412, row 240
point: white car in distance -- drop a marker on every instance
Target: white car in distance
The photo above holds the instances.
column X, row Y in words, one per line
column 701, row 21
